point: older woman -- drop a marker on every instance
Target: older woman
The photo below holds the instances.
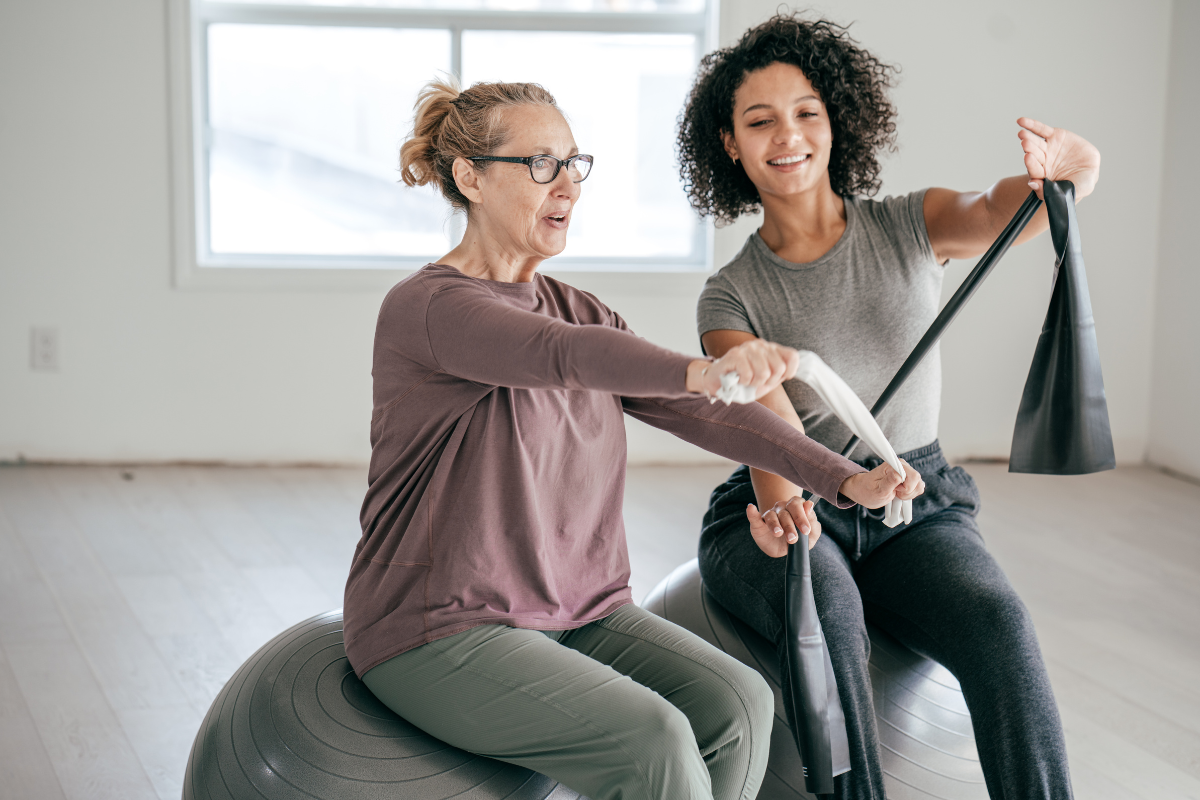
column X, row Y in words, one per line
column 791, row 120
column 488, row 601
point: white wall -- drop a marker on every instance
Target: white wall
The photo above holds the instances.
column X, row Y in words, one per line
column 154, row 373
column 1175, row 393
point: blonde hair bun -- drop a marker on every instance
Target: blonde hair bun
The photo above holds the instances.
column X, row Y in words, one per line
column 451, row 123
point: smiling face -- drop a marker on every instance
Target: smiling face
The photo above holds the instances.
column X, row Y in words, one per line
column 524, row 219
column 781, row 132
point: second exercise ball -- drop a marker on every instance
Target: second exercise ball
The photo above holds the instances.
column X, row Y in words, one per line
column 295, row 723
column 926, row 743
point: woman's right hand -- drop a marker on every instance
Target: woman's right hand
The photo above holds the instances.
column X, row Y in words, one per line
column 876, row 488
column 759, row 364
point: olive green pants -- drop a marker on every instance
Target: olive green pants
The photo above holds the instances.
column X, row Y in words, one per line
column 631, row 706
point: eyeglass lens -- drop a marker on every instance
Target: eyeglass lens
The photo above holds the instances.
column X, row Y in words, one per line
column 545, row 169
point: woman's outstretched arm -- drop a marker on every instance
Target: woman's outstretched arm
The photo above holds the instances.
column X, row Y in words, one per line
column 472, row 335
column 964, row 224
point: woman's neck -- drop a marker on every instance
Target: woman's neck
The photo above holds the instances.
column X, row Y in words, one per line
column 805, row 226
column 482, row 255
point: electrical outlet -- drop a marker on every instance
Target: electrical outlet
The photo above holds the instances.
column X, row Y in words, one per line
column 43, row 349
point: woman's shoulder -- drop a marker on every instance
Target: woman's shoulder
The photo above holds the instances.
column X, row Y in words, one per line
column 889, row 210
column 895, row 219
column 423, row 283
column 749, row 259
column 574, row 304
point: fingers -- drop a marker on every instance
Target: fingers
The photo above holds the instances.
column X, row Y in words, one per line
column 1040, row 128
column 774, row 523
column 1035, row 150
column 755, row 368
column 787, row 524
column 805, row 510
column 884, row 481
column 766, row 524
column 792, row 364
column 913, row 485
column 888, row 478
column 1034, row 141
column 759, row 364
column 763, row 534
column 799, row 511
column 911, row 491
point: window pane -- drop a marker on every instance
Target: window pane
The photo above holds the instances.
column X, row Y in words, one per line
column 619, row 6
column 306, row 125
column 621, row 93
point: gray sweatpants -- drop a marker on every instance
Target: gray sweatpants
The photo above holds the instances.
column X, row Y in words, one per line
column 931, row 584
column 631, row 706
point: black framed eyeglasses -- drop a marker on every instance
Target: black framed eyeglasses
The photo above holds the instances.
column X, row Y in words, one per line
column 545, row 168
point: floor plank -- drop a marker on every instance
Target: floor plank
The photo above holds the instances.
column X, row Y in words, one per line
column 25, row 768
column 120, row 655
column 85, row 742
column 162, row 739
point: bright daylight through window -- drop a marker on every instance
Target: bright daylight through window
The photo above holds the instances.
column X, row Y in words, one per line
column 299, row 110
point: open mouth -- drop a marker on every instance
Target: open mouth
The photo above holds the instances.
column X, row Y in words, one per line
column 787, row 161
column 557, row 220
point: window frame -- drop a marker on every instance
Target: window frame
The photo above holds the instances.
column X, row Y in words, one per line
column 188, row 21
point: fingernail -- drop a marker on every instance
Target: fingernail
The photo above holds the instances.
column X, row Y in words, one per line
column 791, row 538
column 778, row 531
column 804, row 529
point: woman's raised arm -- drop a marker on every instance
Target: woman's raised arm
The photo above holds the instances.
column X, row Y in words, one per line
column 964, row 224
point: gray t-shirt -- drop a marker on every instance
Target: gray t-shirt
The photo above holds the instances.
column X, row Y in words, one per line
column 861, row 307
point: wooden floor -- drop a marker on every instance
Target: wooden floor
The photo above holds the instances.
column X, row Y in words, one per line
column 128, row 597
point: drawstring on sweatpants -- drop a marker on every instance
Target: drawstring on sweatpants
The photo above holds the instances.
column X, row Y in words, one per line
column 858, row 518
column 862, row 513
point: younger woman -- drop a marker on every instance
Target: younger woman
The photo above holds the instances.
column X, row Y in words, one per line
column 790, row 120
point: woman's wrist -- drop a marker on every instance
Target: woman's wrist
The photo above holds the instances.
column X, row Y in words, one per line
column 696, row 373
column 770, row 489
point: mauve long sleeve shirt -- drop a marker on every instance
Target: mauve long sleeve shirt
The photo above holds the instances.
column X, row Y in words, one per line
column 498, row 459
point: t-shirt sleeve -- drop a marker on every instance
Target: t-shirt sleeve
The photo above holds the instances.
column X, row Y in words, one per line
column 904, row 218
column 720, row 308
column 475, row 336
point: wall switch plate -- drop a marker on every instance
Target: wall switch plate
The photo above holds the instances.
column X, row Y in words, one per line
column 43, row 349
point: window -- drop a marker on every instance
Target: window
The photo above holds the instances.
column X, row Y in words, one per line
column 293, row 114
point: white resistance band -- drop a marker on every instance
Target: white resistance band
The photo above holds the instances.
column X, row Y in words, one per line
column 842, row 400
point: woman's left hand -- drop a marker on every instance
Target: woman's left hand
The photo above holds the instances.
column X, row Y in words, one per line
column 1058, row 155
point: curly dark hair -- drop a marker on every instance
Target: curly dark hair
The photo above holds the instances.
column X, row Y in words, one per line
column 850, row 81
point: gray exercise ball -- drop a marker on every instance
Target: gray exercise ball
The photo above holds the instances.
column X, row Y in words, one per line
column 926, row 744
column 295, row 723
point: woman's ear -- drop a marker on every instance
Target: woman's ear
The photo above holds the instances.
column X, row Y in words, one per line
column 730, row 145
column 468, row 180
